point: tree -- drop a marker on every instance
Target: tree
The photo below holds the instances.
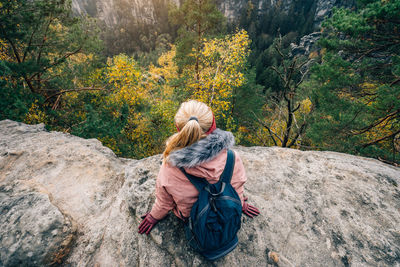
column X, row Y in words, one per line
column 134, row 116
column 266, row 23
column 198, row 19
column 38, row 37
column 357, row 84
column 222, row 62
column 287, row 108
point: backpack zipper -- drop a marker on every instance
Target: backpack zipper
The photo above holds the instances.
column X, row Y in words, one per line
column 202, row 212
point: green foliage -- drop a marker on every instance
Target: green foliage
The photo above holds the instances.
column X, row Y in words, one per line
column 356, row 86
column 100, row 123
column 14, row 101
column 132, row 114
column 265, row 25
column 51, row 72
column 39, row 39
column 197, row 19
column 282, row 119
column 247, row 103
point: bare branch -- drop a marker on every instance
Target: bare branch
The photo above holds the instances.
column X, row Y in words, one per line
column 290, row 74
column 17, row 56
column 394, row 82
column 279, row 73
column 55, row 63
column 369, row 127
column 303, row 74
column 29, row 43
column 298, row 106
column 54, row 107
column 304, row 63
column 289, row 123
column 269, row 130
column 75, row 90
column 381, row 139
column 299, row 133
column 388, row 162
column 356, row 115
column 278, row 50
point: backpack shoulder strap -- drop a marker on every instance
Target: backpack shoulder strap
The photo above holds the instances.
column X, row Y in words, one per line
column 199, row 183
column 226, row 175
column 229, row 166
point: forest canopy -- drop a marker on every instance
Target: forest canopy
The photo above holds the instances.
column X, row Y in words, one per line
column 343, row 95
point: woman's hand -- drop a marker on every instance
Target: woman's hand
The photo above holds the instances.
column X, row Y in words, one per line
column 147, row 224
column 248, row 209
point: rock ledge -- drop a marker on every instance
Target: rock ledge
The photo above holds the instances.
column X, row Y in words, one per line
column 70, row 201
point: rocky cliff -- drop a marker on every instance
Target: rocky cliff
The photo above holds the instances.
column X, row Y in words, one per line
column 113, row 11
column 70, row 201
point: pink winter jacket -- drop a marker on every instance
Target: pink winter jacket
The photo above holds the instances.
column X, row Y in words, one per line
column 175, row 192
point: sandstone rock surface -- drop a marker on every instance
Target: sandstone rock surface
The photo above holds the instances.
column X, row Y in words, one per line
column 70, row 201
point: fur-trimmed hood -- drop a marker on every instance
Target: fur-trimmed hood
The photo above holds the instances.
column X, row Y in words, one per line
column 203, row 150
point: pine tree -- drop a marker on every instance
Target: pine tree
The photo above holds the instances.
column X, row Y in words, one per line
column 198, row 19
column 357, row 85
column 37, row 38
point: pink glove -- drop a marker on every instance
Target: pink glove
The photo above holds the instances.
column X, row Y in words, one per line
column 147, row 224
column 249, row 210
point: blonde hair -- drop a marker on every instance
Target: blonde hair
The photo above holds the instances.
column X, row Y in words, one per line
column 190, row 131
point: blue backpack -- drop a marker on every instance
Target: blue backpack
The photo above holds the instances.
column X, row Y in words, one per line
column 215, row 217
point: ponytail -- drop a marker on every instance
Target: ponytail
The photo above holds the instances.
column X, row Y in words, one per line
column 193, row 119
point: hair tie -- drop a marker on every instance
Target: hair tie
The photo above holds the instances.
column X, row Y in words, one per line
column 193, row 118
column 212, row 128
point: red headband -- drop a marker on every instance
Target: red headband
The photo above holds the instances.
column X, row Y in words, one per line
column 212, row 128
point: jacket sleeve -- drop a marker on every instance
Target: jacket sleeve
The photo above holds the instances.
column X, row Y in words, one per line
column 164, row 201
column 239, row 176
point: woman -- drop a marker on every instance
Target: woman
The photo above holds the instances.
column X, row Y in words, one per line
column 201, row 149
